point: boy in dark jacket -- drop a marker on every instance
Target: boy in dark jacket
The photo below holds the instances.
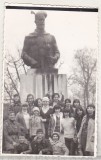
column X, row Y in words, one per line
column 40, row 145
column 23, row 145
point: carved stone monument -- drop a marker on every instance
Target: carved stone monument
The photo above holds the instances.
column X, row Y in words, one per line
column 41, row 53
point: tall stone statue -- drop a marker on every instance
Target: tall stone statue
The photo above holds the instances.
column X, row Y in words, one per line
column 40, row 49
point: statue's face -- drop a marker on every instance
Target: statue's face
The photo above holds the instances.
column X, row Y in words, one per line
column 40, row 23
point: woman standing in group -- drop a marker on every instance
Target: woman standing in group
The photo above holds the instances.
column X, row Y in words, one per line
column 55, row 100
column 68, row 105
column 38, row 103
column 55, row 121
column 23, row 119
column 79, row 114
column 76, row 104
column 30, row 101
column 45, row 113
column 69, row 130
column 87, row 130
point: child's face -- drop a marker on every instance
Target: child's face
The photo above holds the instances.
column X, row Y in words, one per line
column 39, row 102
column 12, row 116
column 21, row 139
column 79, row 112
column 68, row 104
column 66, row 114
column 40, row 135
column 57, row 110
column 24, row 108
column 76, row 104
column 90, row 110
column 45, row 102
column 56, row 98
column 55, row 137
column 36, row 113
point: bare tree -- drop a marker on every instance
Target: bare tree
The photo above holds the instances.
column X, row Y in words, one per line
column 14, row 67
column 85, row 72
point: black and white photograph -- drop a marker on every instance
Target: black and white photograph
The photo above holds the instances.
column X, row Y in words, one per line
column 50, row 68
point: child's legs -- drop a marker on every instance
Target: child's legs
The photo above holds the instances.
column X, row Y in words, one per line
column 67, row 143
column 73, row 147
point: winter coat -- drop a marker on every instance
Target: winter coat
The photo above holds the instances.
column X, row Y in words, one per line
column 30, row 108
column 86, row 134
column 44, row 145
column 47, row 117
column 21, row 147
column 90, row 135
column 35, row 123
column 52, row 123
column 11, row 134
column 59, row 148
column 21, row 121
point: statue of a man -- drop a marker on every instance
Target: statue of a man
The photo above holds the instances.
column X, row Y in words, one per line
column 40, row 49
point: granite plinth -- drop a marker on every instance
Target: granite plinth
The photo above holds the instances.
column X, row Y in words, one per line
column 40, row 83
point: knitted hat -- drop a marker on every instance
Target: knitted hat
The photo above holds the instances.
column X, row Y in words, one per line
column 56, row 133
column 45, row 99
column 36, row 109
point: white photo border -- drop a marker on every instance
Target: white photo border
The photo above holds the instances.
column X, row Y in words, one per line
column 1, row 64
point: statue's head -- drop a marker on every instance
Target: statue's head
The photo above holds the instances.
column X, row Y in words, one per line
column 40, row 19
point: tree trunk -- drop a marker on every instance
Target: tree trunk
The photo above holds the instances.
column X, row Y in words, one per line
column 84, row 99
column 87, row 94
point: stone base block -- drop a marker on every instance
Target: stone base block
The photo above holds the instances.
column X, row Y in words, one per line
column 39, row 84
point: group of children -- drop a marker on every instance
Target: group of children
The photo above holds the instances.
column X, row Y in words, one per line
column 51, row 126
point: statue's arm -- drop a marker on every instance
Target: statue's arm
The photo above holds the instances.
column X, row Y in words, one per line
column 55, row 48
column 25, row 53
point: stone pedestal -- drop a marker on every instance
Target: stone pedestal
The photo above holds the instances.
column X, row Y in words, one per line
column 39, row 84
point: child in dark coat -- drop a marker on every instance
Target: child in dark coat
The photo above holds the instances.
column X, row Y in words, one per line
column 23, row 145
column 40, row 145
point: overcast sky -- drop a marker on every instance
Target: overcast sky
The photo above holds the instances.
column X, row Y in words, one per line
column 72, row 30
